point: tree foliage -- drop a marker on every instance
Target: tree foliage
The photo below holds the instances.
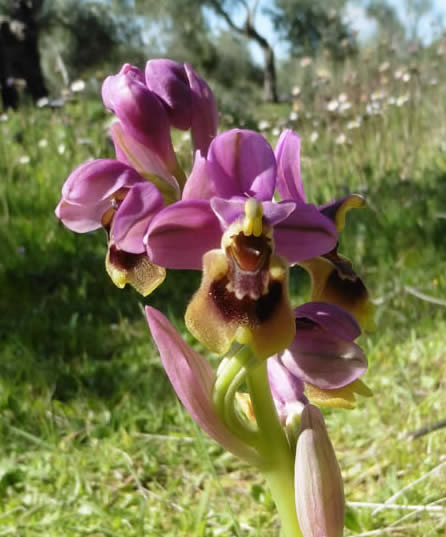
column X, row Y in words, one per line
column 310, row 25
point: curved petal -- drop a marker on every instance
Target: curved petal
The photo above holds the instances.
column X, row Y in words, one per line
column 147, row 163
column 286, row 388
column 244, row 165
column 274, row 213
column 182, row 233
column 333, row 280
column 289, row 181
column 337, row 210
column 97, row 180
column 141, row 112
column 134, row 269
column 323, row 359
column 193, row 379
column 304, row 234
column 339, row 397
column 318, row 480
column 205, row 113
column 132, row 219
column 169, row 81
column 228, row 210
column 82, row 218
column 199, row 184
column 331, row 318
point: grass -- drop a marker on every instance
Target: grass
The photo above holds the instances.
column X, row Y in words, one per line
column 93, row 441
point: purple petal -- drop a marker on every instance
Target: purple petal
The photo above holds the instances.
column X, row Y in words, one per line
column 289, row 181
column 318, row 481
column 182, row 233
column 87, row 193
column 97, row 180
column 285, row 386
column 198, row 184
column 140, row 111
column 228, row 210
column 82, row 218
column 331, row 318
column 132, row 219
column 205, row 113
column 323, row 359
column 145, row 162
column 193, row 379
column 304, row 234
column 244, row 165
column 168, row 79
column 275, row 213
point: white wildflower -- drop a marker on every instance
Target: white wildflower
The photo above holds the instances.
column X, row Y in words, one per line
column 295, row 92
column 332, row 105
column 354, row 124
column 340, row 139
column 306, row 61
column 343, row 107
column 402, row 99
column 77, row 86
column 263, row 125
column 43, row 101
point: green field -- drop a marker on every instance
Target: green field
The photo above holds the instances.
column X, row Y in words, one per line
column 93, row 441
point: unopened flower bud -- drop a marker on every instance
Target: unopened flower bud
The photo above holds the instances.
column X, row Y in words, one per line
column 189, row 101
column 319, row 487
column 140, row 111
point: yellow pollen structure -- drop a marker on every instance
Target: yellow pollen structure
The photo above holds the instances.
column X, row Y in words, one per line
column 252, row 223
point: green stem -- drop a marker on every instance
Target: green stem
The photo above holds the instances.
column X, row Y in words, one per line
column 228, row 381
column 279, row 468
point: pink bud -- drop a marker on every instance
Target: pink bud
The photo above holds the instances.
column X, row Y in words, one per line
column 189, row 101
column 141, row 112
column 318, row 480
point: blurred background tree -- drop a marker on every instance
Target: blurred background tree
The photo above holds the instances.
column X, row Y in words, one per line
column 389, row 26
column 312, row 25
column 68, row 39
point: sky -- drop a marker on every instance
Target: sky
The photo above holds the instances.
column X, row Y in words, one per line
column 355, row 13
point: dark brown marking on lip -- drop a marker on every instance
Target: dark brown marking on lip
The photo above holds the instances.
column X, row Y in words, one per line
column 123, row 260
column 247, row 310
column 343, row 266
column 351, row 291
